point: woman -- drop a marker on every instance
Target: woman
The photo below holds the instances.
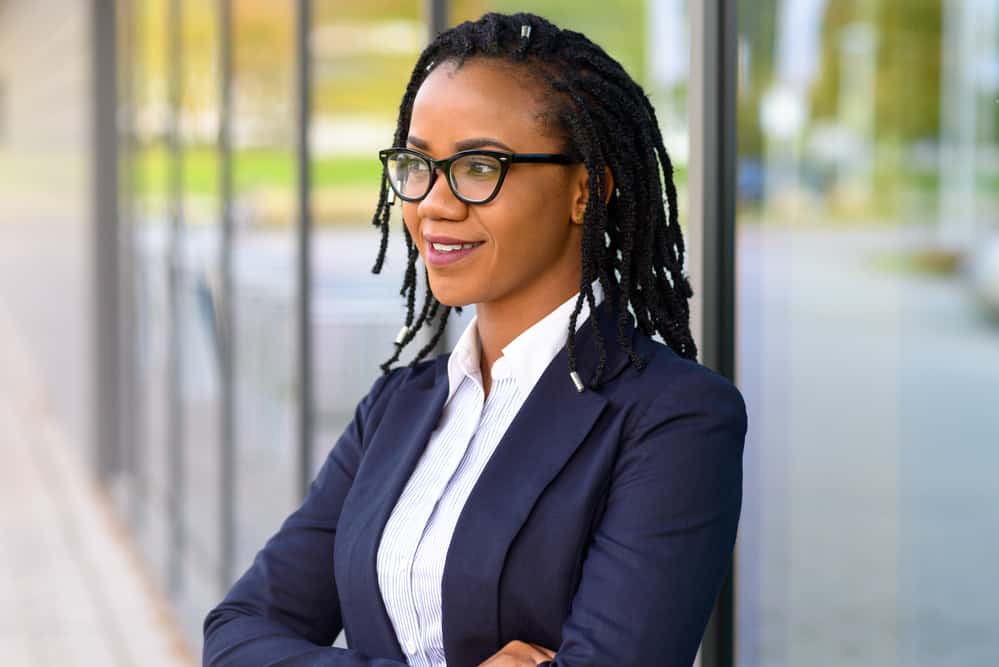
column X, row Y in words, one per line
column 552, row 492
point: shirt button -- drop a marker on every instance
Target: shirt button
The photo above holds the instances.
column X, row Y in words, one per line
column 411, row 648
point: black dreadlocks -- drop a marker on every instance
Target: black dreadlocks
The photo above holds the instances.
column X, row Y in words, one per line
column 631, row 243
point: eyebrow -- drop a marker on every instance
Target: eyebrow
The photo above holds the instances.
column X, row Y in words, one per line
column 464, row 144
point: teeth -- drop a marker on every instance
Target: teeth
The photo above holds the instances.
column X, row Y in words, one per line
column 451, row 247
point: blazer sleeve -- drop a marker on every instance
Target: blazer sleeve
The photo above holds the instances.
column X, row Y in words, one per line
column 660, row 552
column 284, row 611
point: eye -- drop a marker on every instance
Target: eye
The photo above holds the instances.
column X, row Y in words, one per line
column 411, row 164
column 478, row 167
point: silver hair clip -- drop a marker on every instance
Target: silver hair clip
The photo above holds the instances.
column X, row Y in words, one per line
column 525, row 31
column 576, row 381
column 429, row 66
column 391, row 197
column 402, row 335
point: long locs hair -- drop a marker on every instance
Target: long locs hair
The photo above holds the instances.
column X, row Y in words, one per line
column 632, row 243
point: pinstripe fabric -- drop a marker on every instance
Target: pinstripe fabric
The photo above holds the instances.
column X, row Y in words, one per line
column 413, row 546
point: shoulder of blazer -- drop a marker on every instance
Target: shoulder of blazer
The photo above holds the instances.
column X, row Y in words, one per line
column 670, row 385
column 402, row 377
column 397, row 380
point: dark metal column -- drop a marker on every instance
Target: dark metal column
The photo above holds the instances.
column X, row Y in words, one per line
column 304, row 264
column 106, row 446
column 437, row 17
column 227, row 355
column 175, row 410
column 712, row 194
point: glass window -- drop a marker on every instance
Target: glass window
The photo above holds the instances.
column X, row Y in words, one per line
column 198, row 294
column 867, row 343
column 150, row 266
column 363, row 55
column 264, row 256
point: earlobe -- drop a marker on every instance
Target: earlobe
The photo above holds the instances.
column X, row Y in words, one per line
column 582, row 194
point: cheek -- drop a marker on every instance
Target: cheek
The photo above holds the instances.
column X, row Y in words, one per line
column 546, row 193
column 533, row 218
column 528, row 238
column 410, row 219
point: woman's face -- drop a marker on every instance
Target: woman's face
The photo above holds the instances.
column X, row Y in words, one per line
column 528, row 237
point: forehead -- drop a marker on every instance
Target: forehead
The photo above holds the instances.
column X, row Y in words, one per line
column 479, row 99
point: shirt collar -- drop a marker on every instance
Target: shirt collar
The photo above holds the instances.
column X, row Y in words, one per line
column 527, row 356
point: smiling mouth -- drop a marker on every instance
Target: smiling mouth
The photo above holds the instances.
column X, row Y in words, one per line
column 442, row 254
column 452, row 247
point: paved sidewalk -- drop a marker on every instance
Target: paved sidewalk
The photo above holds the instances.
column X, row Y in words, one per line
column 72, row 590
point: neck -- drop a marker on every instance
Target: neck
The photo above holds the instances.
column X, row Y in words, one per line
column 499, row 323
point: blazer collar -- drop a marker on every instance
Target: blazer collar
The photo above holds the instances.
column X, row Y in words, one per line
column 550, row 426
column 399, row 439
column 528, row 355
column 544, row 432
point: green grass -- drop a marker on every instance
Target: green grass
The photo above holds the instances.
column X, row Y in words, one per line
column 262, row 169
column 257, row 169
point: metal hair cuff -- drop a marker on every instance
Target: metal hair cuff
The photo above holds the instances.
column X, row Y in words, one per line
column 401, row 335
column 576, row 381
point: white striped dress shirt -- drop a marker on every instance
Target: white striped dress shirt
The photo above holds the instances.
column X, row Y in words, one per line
column 415, row 541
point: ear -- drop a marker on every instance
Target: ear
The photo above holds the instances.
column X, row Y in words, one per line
column 608, row 184
column 581, row 191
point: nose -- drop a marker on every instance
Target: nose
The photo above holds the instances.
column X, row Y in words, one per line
column 440, row 203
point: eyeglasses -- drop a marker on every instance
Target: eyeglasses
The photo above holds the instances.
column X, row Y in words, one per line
column 475, row 176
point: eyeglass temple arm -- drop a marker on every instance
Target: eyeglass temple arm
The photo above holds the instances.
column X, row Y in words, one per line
column 556, row 158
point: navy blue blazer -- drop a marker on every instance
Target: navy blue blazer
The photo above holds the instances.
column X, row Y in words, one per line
column 602, row 527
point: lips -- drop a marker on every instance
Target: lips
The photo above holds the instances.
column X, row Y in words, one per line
column 445, row 250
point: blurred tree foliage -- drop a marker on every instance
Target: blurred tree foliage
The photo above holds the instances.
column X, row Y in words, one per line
column 907, row 106
column 363, row 52
column 263, row 52
column 908, row 34
column 757, row 21
column 371, row 80
column 368, row 74
column 620, row 28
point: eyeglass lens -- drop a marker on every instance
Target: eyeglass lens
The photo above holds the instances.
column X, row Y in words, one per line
column 473, row 177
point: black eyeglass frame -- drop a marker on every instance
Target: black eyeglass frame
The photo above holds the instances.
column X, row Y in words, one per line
column 444, row 165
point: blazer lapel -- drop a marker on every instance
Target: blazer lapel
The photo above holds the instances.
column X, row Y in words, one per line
column 552, row 423
column 391, row 456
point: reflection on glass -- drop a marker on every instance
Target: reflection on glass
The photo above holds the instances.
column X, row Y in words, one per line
column 150, row 266
column 363, row 54
column 263, row 270
column 867, row 178
column 198, row 297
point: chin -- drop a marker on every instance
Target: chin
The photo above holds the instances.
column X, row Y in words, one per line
column 451, row 294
